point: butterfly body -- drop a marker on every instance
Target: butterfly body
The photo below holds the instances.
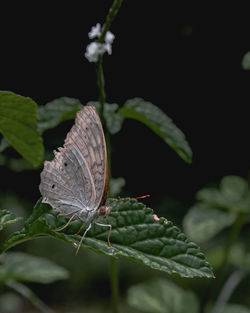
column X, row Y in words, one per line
column 75, row 182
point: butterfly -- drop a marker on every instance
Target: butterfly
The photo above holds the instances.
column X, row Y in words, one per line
column 75, row 182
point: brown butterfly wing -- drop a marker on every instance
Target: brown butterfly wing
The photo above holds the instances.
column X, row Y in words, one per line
column 76, row 180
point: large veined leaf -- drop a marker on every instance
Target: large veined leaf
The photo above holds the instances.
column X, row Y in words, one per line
column 27, row 268
column 18, row 124
column 7, row 218
column 136, row 235
column 53, row 113
column 160, row 123
column 162, row 296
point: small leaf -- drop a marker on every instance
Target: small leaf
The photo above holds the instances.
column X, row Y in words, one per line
column 245, row 63
column 203, row 221
column 233, row 188
column 233, row 194
column 162, row 296
column 18, row 124
column 160, row 123
column 23, row 267
column 7, row 218
column 116, row 185
column 135, row 235
column 112, row 118
column 55, row 112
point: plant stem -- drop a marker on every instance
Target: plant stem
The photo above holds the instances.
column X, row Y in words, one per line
column 109, row 18
column 102, row 99
column 28, row 294
column 231, row 240
column 227, row 290
column 101, row 87
column 114, row 284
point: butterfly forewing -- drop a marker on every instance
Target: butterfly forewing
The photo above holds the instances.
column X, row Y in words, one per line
column 76, row 179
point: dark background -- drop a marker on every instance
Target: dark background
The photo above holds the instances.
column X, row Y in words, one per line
column 183, row 57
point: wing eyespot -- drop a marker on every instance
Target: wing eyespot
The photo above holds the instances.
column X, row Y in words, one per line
column 53, row 186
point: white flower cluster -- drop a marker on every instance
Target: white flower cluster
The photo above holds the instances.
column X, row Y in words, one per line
column 94, row 49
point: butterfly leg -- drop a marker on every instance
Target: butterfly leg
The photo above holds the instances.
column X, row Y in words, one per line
column 83, row 236
column 110, row 229
column 69, row 221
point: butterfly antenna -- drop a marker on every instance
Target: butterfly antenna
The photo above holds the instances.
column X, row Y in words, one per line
column 142, row 197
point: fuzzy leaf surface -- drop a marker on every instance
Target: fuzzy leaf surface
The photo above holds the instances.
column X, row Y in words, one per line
column 18, row 124
column 7, row 218
column 160, row 123
column 135, row 235
column 27, row 268
column 55, row 112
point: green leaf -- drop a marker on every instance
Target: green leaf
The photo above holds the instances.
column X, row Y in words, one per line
column 18, row 124
column 160, row 123
column 245, row 63
column 235, row 308
column 233, row 194
column 116, row 185
column 239, row 257
column 203, row 221
column 135, row 235
column 112, row 118
column 162, row 296
column 3, row 144
column 233, row 188
column 7, row 218
column 55, row 112
column 23, row 267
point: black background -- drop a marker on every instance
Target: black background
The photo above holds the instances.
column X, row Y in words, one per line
column 183, row 57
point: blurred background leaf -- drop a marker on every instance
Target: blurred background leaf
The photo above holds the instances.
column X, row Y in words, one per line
column 162, row 296
column 245, row 63
column 20, row 266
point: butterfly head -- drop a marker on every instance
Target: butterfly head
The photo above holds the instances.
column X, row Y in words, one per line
column 104, row 210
